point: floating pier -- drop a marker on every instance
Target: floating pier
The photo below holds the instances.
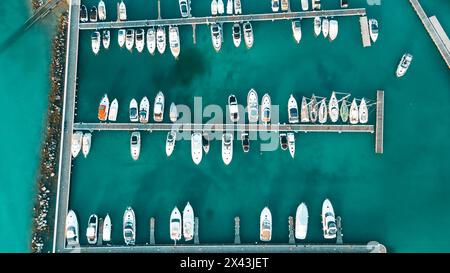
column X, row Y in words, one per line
column 196, row 226
column 237, row 226
column 339, row 231
column 100, row 232
column 291, row 230
column 379, row 122
column 152, row 230
column 365, row 34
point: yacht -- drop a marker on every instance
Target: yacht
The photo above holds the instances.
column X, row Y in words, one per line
column 161, row 39
column 283, row 141
column 151, row 40
column 103, row 108
column 230, row 7
column 113, row 110
column 328, row 220
column 170, row 142
column 325, row 27
column 344, row 111
column 216, row 36
column 214, row 7
column 333, row 108
column 354, row 112
column 404, row 64
column 173, row 112
column 248, row 35
column 122, row 11
column 227, row 148
column 297, row 30
column 265, row 109
column 92, row 229
column 304, row 113
column 140, row 40
column 72, row 235
column 144, row 110
column 107, row 228
column 275, row 5
column 292, row 110
column 233, row 108
column 158, row 107
column 313, row 109
column 87, row 137
column 77, row 141
column 95, row 42
column 334, row 29
column 323, row 113
column 252, row 106
column 129, row 39
column 291, row 143
column 317, row 26
column 245, row 142
column 237, row 7
column 185, row 8
column 305, row 5
column 135, row 145
column 205, row 142
column 83, row 14
column 265, row 223
column 129, row 226
column 373, row 29
column 220, row 7
column 196, row 148
column 101, row 11
column 121, row 37
column 284, row 5
column 174, row 41
column 93, row 14
column 175, row 225
column 301, row 222
column 363, row 115
column 237, row 35
column 106, row 39
column 188, row 222
column 344, row 4
column 134, row 112
column 316, row 4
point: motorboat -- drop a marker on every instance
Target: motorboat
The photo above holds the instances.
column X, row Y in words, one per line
column 106, row 38
column 333, row 108
column 245, row 142
column 313, row 109
column 103, row 108
column 334, row 29
column 237, row 35
column 252, row 106
column 83, row 14
column 373, row 29
column 188, row 222
column 185, row 8
column 220, row 7
column 158, row 107
column 292, row 110
column 113, row 110
column 237, row 7
column 248, row 34
column 317, row 26
column 216, row 36
column 363, row 113
column 328, row 220
column 316, row 4
column 301, row 221
column 266, row 106
column 93, row 16
column 205, row 142
column 323, row 111
column 283, row 141
column 144, row 110
column 305, row 5
column 297, row 30
column 101, row 11
column 227, row 148
column 175, row 225
column 214, row 7
column 284, row 5
column 325, row 27
column 129, row 226
column 196, row 147
column 140, row 40
column 404, row 64
column 275, row 5
column 129, row 39
column 87, row 137
column 92, row 229
column 135, row 145
column 230, row 7
column 233, row 108
column 354, row 112
column 161, row 39
column 121, row 37
column 122, row 11
column 151, row 40
column 77, row 141
column 173, row 112
column 265, row 225
column 344, row 4
column 304, row 113
column 170, row 142
column 344, row 111
column 95, row 42
column 291, row 143
column 107, row 228
column 174, row 41
column 134, row 111
column 72, row 235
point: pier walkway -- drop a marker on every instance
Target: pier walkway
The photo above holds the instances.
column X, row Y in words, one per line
column 379, row 123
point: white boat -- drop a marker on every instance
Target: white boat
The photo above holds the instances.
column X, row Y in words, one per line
column 121, row 37
column 325, row 27
column 283, row 141
column 158, row 107
column 245, row 142
column 275, row 5
column 265, row 224
column 344, row 3
column 129, row 226
column 140, row 40
column 301, row 222
column 291, row 143
column 292, row 110
column 317, row 26
column 101, row 11
column 373, row 29
column 252, row 106
column 107, row 228
column 284, row 5
column 227, row 148
column 83, row 14
column 333, row 108
column 316, row 4
column 404, row 64
column 297, row 30
column 72, row 235
column 304, row 113
column 205, row 142
column 95, row 42
column 87, row 137
column 354, row 112
column 92, row 229
column 334, row 29
column 151, row 40
column 113, row 110
column 233, row 108
column 173, row 112
column 196, row 148
column 76, row 143
column 134, row 112
column 144, row 110
column 188, row 222
column 220, row 7
column 185, row 8
column 129, row 39
column 216, row 36
column 237, row 7
column 135, row 145
column 313, row 109
column 344, row 111
column 174, row 41
column 305, row 5
column 214, row 7
column 248, row 34
column 175, row 225
column 106, row 38
column 363, row 113
column 237, row 35
column 103, row 108
column 161, row 39
column 266, row 107
column 170, row 142
column 93, row 15
column 122, row 11
column 230, row 7
column 323, row 111
column 328, row 220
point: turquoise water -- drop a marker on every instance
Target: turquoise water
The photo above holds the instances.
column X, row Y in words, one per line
column 398, row 199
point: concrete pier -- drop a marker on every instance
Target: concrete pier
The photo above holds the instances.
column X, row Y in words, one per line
column 379, row 123
column 291, row 230
column 196, row 227
column 237, row 226
column 152, row 230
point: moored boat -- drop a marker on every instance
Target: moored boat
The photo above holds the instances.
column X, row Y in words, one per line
column 188, row 222
column 266, row 108
column 121, row 37
column 323, row 112
column 144, row 110
column 92, row 229
column 305, row 5
column 344, row 3
column 134, row 111
column 107, row 228
column 245, row 142
column 173, row 112
column 284, row 5
column 230, row 7
column 103, row 108
column 275, row 5
column 129, row 226
column 158, row 107
column 333, row 108
column 363, row 113
column 129, row 39
column 216, row 36
column 175, row 225
column 328, row 220
column 170, row 142
column 185, row 8
column 248, row 34
column 334, row 29
column 283, row 141
column 404, row 64
column 101, row 11
column 237, row 34
column 95, row 42
column 301, row 222
column 135, row 145
column 316, row 4
column 106, row 38
column 252, row 106
column 291, row 143
column 344, row 111
column 151, row 40
column 265, row 225
column 313, row 109
column 174, row 41
column 373, row 29
column 196, row 148
column 325, row 27
column 214, row 7
column 220, row 7
column 113, row 110
column 140, row 40
column 122, row 11
column 205, row 142
column 72, row 235
column 304, row 113
column 292, row 110
column 227, row 148
column 87, row 137
column 317, row 26
column 354, row 112
column 297, row 30
column 233, row 108
column 77, row 141
column 237, row 7
column 93, row 15
column 161, row 39
column 83, row 14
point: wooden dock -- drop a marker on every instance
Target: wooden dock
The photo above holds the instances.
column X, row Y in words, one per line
column 365, row 34
column 379, row 122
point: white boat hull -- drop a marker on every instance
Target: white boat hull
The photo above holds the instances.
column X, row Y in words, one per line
column 161, row 40
column 188, row 222
column 107, row 228
column 129, row 226
column 227, row 148
column 175, row 225
column 135, row 146
column 86, row 143
column 265, row 223
column 76, row 143
column 196, row 148
column 301, row 222
column 291, row 144
column 113, row 110
column 151, row 41
column 252, row 106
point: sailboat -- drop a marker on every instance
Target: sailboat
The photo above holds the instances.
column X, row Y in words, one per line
column 317, row 26
column 233, row 108
column 158, row 107
column 135, row 145
column 227, row 148
column 95, row 42
column 205, row 142
column 144, row 109
column 333, row 108
column 230, row 7
column 344, row 111
column 297, row 30
column 121, row 37
column 252, row 106
column 305, row 5
column 151, row 40
column 265, row 224
column 175, row 225
column 334, row 28
column 101, row 11
column 122, row 11
column 292, row 110
column 196, row 148
column 76, row 143
column 87, row 137
column 248, row 35
column 214, row 7
column 129, row 39
column 140, row 40
column 113, row 110
column 92, row 229
column 170, row 142
column 245, row 142
column 304, row 113
column 103, row 108
column 363, row 115
column 174, row 41
column 134, row 112
column 216, row 36
column 328, row 220
column 323, row 113
column 354, row 112
column 173, row 112
column 161, row 39
column 107, row 228
column 291, row 143
column 237, row 7
column 275, row 5
column 373, row 29
column 325, row 27
column 129, row 226
column 301, row 222
column 106, row 39
column 188, row 222
column 266, row 106
column 72, row 235
column 313, row 109
column 220, row 7
column 237, row 34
